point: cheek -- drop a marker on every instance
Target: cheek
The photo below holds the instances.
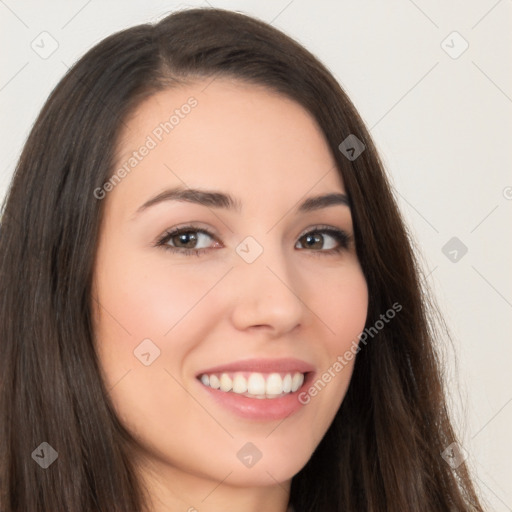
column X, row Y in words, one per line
column 143, row 298
column 145, row 305
column 343, row 307
column 343, row 310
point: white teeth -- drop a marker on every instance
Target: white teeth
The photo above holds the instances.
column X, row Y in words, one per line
column 274, row 384
column 297, row 381
column 214, row 382
column 287, row 383
column 239, row 384
column 226, row 383
column 257, row 385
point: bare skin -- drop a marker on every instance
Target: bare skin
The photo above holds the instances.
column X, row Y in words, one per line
column 295, row 299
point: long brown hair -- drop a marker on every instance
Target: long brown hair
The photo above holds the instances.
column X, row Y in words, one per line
column 382, row 452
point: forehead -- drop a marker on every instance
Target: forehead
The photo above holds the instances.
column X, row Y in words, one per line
column 228, row 135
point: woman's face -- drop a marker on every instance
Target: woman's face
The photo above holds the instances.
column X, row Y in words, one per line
column 275, row 292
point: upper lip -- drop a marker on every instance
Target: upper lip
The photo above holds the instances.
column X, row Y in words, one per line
column 287, row 365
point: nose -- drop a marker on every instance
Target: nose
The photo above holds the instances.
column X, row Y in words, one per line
column 266, row 294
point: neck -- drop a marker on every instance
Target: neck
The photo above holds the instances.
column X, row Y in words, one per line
column 171, row 489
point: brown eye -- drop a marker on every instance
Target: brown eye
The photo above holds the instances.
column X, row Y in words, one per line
column 184, row 240
column 188, row 238
column 316, row 240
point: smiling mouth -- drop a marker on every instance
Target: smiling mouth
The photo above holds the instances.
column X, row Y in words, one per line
column 254, row 384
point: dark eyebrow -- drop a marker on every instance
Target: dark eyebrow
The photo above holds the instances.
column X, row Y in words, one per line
column 214, row 199
column 319, row 202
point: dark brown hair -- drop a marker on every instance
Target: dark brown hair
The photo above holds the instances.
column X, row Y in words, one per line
column 382, row 452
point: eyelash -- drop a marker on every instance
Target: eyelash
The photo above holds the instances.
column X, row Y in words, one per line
column 342, row 237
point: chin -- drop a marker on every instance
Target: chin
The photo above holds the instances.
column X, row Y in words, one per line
column 267, row 471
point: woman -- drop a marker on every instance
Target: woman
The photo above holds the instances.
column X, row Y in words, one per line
column 287, row 363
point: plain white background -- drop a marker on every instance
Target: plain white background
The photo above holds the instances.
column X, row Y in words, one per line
column 441, row 116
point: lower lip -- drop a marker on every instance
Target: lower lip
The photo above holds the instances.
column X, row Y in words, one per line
column 260, row 408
